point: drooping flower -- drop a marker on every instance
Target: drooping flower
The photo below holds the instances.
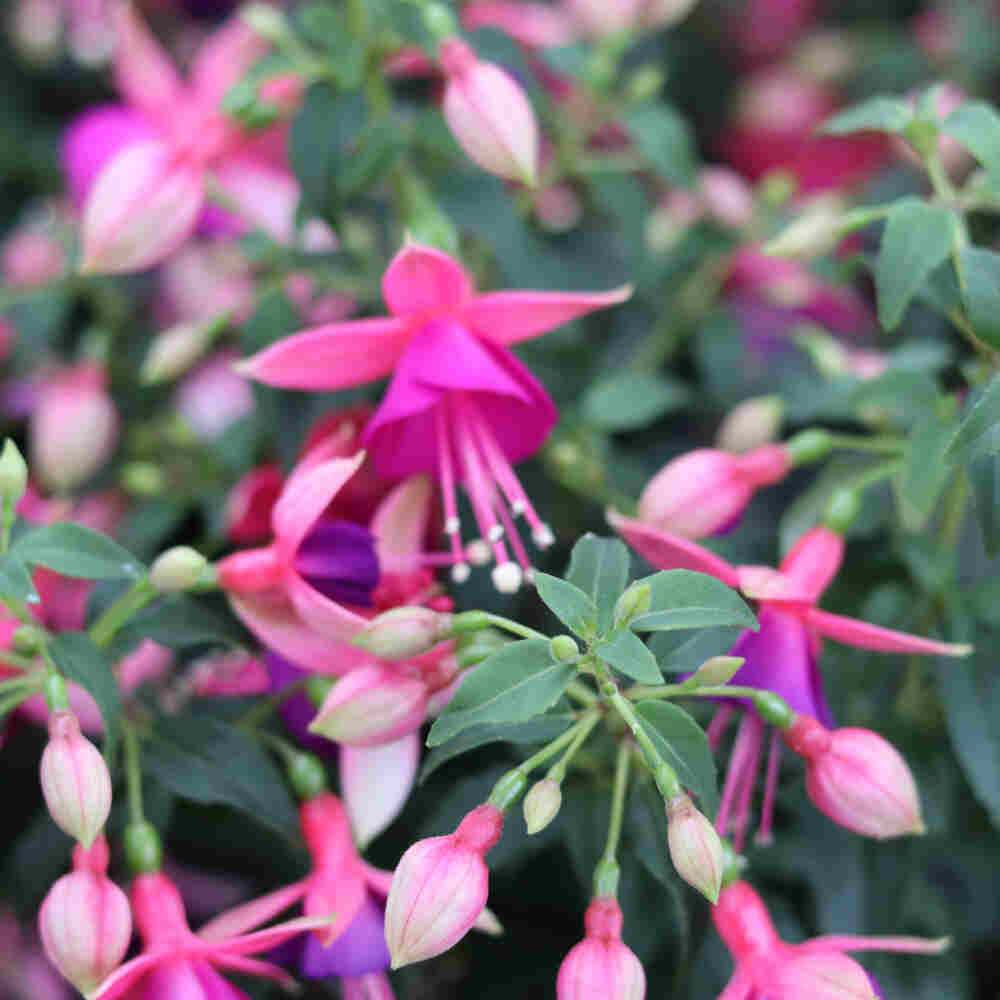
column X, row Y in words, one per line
column 782, row 655
column 817, row 969
column 460, row 406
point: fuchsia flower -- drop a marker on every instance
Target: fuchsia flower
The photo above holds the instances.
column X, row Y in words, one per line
column 818, row 969
column 460, row 406
column 535, row 25
column 143, row 171
column 601, row 967
column 175, row 962
column 782, row 656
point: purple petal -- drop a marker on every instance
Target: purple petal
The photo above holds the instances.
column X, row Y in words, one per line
column 359, row 950
column 338, row 559
column 297, row 711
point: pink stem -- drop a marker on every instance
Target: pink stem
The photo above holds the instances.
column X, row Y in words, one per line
column 764, row 835
column 717, row 727
column 447, row 473
column 742, row 818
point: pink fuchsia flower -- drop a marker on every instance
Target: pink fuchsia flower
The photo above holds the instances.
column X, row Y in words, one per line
column 601, row 966
column 373, row 986
column 440, row 888
column 857, row 779
column 705, row 492
column 213, row 397
column 818, row 968
column 600, row 18
column 143, row 171
column 203, row 279
column 25, row 971
column 766, row 27
column 535, row 25
column 247, row 516
column 85, row 921
column 175, row 962
column 782, row 655
column 460, row 406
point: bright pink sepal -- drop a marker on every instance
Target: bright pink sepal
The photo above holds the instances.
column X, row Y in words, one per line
column 376, row 781
column 601, row 965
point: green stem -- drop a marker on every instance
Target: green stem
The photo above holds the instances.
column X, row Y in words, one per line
column 643, row 691
column 133, row 772
column 514, row 627
column 558, row 770
column 580, row 693
column 282, row 748
column 607, row 872
column 576, row 733
column 876, row 445
column 133, row 600
column 875, row 474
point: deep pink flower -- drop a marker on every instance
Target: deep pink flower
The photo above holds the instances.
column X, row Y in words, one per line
column 601, row 967
column 782, row 655
column 817, row 969
column 460, row 406
column 535, row 25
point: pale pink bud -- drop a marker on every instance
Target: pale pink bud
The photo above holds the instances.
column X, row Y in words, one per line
column 706, row 491
column 695, row 848
column 213, row 397
column 820, row 975
column 75, row 780
column 858, row 779
column 727, row 196
column 489, row 114
column 601, row 965
column 440, row 888
column 602, row 18
column 662, row 13
column 751, row 424
column 174, row 351
column 85, row 921
column 542, row 805
column 73, row 429
column 372, row 705
column 403, row 633
column 31, row 257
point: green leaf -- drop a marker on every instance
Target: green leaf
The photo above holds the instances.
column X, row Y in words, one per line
column 15, row 580
column 980, row 270
column 683, row 599
column 924, row 471
column 918, row 237
column 664, row 138
column 517, row 683
column 877, row 114
column 180, row 622
column 976, row 126
column 78, row 552
column 628, row 654
column 540, row 730
column 906, row 396
column 683, row 652
column 568, row 603
column 600, row 567
column 978, row 433
column 206, row 760
column 632, row 400
column 683, row 745
column 984, row 477
column 83, row 661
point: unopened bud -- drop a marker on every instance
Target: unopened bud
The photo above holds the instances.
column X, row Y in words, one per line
column 75, row 780
column 439, row 21
column 177, row 569
column 751, row 424
column 28, row 639
column 814, row 233
column 13, row 474
column 307, row 776
column 564, row 648
column 174, row 351
column 843, row 508
column 645, row 83
column 266, row 20
column 695, row 848
column 403, row 633
column 635, row 601
column 542, row 805
column 143, row 849
column 317, row 688
column 716, row 671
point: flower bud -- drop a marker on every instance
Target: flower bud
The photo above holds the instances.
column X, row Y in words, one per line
column 266, row 21
column 489, row 115
column 177, row 569
column 85, row 921
column 705, row 492
column 814, row 233
column 695, row 848
column 372, row 705
column 601, row 965
column 715, row 671
column 73, row 428
column 751, row 424
column 403, row 633
column 633, row 602
column 13, row 474
column 857, row 778
column 174, row 351
column 564, row 647
column 542, row 805
column 440, row 888
column 75, row 780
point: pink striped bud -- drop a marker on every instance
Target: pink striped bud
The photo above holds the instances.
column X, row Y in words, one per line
column 857, row 778
column 705, row 491
column 695, row 848
column 85, row 921
column 820, row 975
column 489, row 114
column 440, row 888
column 372, row 705
column 751, row 424
column 75, row 780
column 403, row 633
column 74, row 427
column 600, row 965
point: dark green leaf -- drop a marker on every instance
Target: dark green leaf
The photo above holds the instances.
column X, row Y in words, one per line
column 632, row 400
column 78, row 552
column 599, row 567
column 517, row 683
column 683, row 652
column 683, row 745
column 978, row 433
column 540, row 730
column 976, row 126
column 82, row 661
column 205, row 760
column 877, row 114
column 664, row 138
column 568, row 603
column 180, row 622
column 628, row 654
column 984, row 477
column 980, row 270
column 924, row 471
column 683, row 599
column 15, row 580
column 906, row 396
column 918, row 237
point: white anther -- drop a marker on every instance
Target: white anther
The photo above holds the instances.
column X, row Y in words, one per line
column 517, row 508
column 507, row 577
column 478, row 552
column 495, row 533
column 543, row 537
column 460, row 572
column 451, row 526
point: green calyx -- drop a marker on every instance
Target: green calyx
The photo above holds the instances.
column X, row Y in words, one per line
column 143, row 848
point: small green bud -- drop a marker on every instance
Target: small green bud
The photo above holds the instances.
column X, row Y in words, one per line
column 143, row 849
column 808, row 446
column 56, row 692
column 635, row 601
column 542, row 805
column 144, row 479
column 716, row 671
column 178, row 569
column 777, row 186
column 564, row 648
column 508, row 789
column 843, row 508
column 439, row 21
column 317, row 688
column 307, row 776
column 28, row 639
column 267, row 21
column 644, row 83
column 773, row 709
column 13, row 474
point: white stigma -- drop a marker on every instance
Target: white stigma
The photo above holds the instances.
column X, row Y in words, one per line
column 543, row 537
column 460, row 572
column 451, row 526
column 478, row 552
column 495, row 533
column 507, row 577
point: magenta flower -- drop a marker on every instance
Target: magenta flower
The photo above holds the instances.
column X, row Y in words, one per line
column 817, row 969
column 782, row 655
column 460, row 406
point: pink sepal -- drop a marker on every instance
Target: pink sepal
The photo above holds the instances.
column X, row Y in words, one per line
column 144, row 74
column 401, row 523
column 883, row 640
column 420, row 279
column 241, row 919
column 224, row 59
column 376, row 782
column 324, row 616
